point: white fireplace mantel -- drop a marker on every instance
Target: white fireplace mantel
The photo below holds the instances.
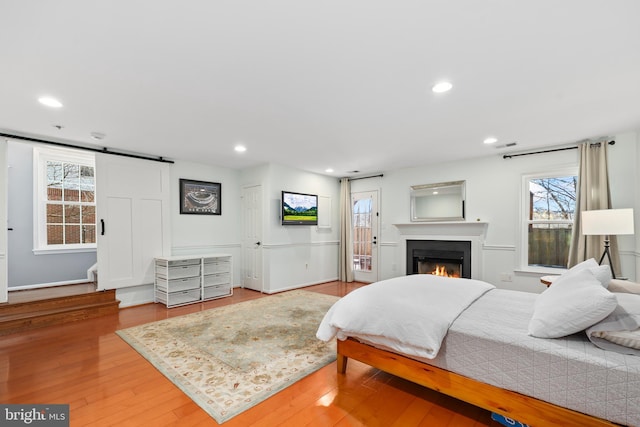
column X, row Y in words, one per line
column 474, row 232
column 444, row 228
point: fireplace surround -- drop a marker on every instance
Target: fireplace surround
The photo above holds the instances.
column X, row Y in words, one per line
column 472, row 231
column 450, row 258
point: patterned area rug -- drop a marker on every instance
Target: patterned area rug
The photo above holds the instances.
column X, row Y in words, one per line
column 231, row 358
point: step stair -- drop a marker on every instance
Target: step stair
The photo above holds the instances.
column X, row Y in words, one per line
column 27, row 315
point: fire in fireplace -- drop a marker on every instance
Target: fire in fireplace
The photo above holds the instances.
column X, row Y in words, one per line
column 450, row 258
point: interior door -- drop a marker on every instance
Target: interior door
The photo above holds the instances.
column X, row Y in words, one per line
column 365, row 236
column 133, row 219
column 252, row 238
column 4, row 290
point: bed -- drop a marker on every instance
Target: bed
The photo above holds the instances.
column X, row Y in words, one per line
column 489, row 358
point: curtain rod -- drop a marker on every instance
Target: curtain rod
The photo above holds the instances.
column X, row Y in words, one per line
column 104, row 150
column 365, row 177
column 508, row 156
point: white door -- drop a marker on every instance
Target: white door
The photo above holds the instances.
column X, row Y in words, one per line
column 252, row 238
column 365, row 236
column 133, row 217
column 4, row 290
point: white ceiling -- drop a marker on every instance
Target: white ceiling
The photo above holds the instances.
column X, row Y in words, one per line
column 341, row 84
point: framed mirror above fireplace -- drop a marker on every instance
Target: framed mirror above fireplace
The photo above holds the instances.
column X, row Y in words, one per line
column 442, row 201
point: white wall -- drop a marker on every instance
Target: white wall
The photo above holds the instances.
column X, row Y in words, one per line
column 214, row 234
column 493, row 196
column 623, row 178
column 25, row 268
column 3, row 221
column 192, row 234
column 199, row 234
column 295, row 256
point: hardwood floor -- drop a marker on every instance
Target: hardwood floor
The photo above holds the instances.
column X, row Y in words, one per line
column 105, row 382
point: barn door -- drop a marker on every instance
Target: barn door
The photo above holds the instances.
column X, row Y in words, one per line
column 132, row 219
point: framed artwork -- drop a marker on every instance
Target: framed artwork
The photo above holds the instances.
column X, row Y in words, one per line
column 200, row 197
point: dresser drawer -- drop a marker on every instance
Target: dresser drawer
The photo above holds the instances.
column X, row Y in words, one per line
column 177, row 298
column 176, row 285
column 177, row 262
column 217, row 279
column 216, row 291
column 216, row 266
column 179, row 272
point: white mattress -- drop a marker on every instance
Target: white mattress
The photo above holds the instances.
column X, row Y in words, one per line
column 570, row 372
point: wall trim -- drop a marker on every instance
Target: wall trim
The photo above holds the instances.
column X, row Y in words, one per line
column 47, row 285
column 195, row 249
column 391, row 244
column 301, row 286
column 303, row 245
column 507, row 248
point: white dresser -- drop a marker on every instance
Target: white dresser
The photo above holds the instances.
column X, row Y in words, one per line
column 187, row 279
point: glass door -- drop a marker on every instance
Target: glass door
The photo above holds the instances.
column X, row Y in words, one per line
column 365, row 235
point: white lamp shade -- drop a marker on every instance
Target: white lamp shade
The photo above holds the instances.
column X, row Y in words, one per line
column 607, row 222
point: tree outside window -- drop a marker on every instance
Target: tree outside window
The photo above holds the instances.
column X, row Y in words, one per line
column 551, row 209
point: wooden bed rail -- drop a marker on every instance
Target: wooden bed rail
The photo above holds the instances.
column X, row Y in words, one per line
column 508, row 403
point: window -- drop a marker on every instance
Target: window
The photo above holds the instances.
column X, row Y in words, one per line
column 65, row 199
column 549, row 208
column 362, row 211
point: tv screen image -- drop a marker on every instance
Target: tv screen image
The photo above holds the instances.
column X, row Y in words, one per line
column 299, row 208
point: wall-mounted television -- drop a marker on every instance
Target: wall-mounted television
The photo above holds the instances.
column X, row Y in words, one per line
column 299, row 208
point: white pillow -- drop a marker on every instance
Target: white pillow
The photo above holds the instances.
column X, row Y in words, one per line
column 620, row 329
column 601, row 272
column 572, row 305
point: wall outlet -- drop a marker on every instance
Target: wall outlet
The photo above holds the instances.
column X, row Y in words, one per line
column 506, row 277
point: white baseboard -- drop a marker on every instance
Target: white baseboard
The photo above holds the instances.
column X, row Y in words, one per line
column 46, row 285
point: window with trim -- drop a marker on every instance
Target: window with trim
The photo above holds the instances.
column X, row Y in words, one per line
column 66, row 200
column 549, row 209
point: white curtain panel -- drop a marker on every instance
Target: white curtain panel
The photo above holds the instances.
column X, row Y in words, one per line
column 345, row 263
column 593, row 194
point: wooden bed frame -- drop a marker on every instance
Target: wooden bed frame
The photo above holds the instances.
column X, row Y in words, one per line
column 508, row 403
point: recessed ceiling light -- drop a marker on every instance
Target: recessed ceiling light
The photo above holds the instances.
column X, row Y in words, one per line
column 240, row 148
column 442, row 87
column 50, row 102
column 328, row 170
column 98, row 135
column 490, row 140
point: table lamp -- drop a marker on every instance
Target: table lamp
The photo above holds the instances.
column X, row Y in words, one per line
column 607, row 222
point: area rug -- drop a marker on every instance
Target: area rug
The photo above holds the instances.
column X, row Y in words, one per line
column 231, row 358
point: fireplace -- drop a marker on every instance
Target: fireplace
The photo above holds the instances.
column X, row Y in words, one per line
column 450, row 258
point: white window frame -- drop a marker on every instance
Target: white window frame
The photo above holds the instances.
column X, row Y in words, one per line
column 40, row 157
column 524, row 222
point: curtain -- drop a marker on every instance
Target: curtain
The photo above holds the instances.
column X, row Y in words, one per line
column 593, row 194
column 345, row 261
